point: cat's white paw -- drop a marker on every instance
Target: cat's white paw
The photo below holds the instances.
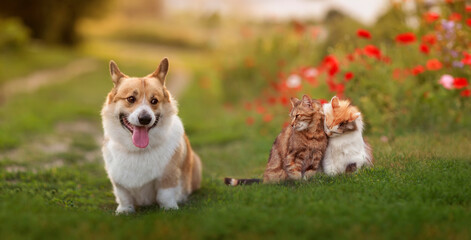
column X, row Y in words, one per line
column 125, row 210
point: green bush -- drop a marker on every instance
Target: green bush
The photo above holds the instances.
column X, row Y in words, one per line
column 13, row 35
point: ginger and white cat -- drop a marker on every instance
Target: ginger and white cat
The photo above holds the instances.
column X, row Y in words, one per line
column 347, row 150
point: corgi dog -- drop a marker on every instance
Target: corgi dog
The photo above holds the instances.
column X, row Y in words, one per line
column 147, row 155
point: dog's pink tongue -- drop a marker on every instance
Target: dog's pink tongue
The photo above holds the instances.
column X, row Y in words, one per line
column 140, row 138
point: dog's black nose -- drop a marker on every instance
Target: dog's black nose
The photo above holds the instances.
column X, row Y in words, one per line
column 144, row 118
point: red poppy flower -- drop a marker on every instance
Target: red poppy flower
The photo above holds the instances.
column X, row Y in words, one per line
column 418, row 70
column 433, row 65
column 248, row 106
column 459, row 83
column 430, row 17
column 468, row 8
column 424, row 48
column 284, row 101
column 362, row 33
column 397, row 73
column 429, row 39
column 372, row 51
column 260, row 109
column 323, row 101
column 348, row 76
column 350, row 57
column 456, row 17
column 467, row 59
column 468, row 22
column 271, row 100
column 465, row 93
column 405, row 38
column 340, row 88
column 386, row 60
column 267, row 117
column 331, row 63
column 249, row 121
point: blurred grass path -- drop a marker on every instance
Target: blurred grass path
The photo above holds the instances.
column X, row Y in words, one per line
column 46, row 77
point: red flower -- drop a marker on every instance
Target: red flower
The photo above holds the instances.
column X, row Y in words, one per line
column 429, row 39
column 424, row 48
column 459, row 83
column 372, row 51
column 386, row 60
column 323, row 101
column 455, row 17
column 468, row 22
column 418, row 70
column 267, row 117
column 249, row 121
column 260, row 109
column 248, row 106
column 465, row 93
column 467, row 58
column 431, row 17
column 332, row 64
column 348, row 76
column 284, row 101
column 433, row 65
column 299, row 27
column 271, row 100
column 405, row 38
column 340, row 88
column 362, row 33
column 468, row 8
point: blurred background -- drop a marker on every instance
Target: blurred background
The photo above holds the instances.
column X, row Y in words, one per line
column 234, row 64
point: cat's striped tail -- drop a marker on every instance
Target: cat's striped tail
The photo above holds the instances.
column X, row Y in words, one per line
column 236, row 182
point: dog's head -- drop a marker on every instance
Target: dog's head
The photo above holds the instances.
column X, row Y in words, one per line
column 137, row 107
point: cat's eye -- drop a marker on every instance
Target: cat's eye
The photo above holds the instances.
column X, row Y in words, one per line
column 297, row 115
column 131, row 99
column 154, row 101
column 342, row 124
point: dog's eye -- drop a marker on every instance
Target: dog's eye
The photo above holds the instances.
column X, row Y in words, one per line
column 131, row 99
column 154, row 101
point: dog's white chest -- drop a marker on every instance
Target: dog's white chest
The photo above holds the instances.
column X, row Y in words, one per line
column 133, row 169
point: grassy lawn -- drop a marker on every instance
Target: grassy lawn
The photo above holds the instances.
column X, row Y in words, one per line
column 419, row 189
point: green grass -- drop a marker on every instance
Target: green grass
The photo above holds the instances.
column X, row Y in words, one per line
column 419, row 189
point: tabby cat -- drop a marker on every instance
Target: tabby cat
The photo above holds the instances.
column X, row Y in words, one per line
column 298, row 149
column 347, row 150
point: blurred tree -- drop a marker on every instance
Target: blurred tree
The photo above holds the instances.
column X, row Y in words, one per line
column 53, row 21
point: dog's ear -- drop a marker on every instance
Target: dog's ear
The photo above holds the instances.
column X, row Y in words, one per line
column 116, row 74
column 161, row 72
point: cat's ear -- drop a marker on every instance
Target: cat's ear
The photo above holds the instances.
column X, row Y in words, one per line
column 161, row 72
column 335, row 102
column 354, row 116
column 307, row 101
column 116, row 74
column 294, row 101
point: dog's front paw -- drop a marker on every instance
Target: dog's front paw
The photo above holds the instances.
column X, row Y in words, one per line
column 125, row 210
column 171, row 206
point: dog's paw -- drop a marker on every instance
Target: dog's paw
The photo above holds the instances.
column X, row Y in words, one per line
column 125, row 210
column 169, row 206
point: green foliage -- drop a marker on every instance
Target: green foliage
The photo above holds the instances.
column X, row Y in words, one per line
column 13, row 35
column 53, row 21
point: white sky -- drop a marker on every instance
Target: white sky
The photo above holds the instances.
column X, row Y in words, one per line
column 365, row 11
